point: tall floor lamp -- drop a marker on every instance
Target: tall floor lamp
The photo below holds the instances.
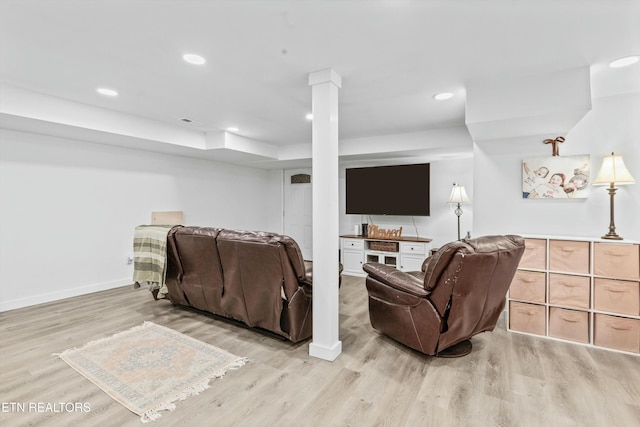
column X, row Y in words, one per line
column 613, row 171
column 458, row 197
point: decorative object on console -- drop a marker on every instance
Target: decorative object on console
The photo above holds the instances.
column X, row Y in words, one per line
column 458, row 196
column 380, row 233
column 556, row 177
column 613, row 171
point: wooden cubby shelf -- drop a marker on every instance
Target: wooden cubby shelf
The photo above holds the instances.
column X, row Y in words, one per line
column 585, row 291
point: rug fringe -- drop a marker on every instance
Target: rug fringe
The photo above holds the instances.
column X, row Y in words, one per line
column 154, row 413
column 104, row 339
column 237, row 364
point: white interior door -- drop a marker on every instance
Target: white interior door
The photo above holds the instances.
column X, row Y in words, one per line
column 297, row 209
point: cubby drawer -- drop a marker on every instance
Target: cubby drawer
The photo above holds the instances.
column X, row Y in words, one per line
column 569, row 291
column 617, row 261
column 617, row 296
column 528, row 318
column 569, row 324
column 353, row 243
column 412, row 248
column 617, row 333
column 569, row 256
column 528, row 286
column 535, row 254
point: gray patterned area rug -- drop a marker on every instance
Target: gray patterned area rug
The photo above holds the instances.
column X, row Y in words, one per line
column 149, row 367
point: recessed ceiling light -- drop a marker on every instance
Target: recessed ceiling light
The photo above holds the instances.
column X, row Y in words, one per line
column 623, row 62
column 106, row 91
column 309, row 116
column 232, row 129
column 194, row 59
column 442, row 96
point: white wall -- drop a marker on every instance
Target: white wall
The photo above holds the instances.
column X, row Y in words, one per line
column 611, row 125
column 442, row 224
column 68, row 210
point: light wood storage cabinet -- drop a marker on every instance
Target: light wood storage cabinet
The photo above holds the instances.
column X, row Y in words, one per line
column 406, row 253
column 585, row 291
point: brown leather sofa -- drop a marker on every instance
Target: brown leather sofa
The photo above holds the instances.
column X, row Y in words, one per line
column 257, row 278
column 459, row 293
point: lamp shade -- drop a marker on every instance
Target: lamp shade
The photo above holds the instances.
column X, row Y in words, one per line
column 458, row 195
column 613, row 171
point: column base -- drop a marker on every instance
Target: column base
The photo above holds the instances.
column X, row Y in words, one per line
column 324, row 352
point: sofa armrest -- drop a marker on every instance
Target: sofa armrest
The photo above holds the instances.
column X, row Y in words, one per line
column 396, row 279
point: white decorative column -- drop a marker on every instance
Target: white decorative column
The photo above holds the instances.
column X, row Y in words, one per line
column 324, row 91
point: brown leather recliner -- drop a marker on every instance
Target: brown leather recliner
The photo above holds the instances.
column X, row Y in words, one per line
column 257, row 278
column 460, row 292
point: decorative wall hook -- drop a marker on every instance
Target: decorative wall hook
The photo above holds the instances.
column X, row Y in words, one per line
column 554, row 144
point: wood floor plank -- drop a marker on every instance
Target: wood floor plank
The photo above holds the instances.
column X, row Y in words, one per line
column 509, row 379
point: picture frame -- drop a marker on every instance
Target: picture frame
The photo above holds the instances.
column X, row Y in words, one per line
column 556, row 177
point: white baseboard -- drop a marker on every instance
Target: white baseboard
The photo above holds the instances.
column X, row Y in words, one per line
column 61, row 294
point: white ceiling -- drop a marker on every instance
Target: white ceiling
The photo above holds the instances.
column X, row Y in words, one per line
column 392, row 56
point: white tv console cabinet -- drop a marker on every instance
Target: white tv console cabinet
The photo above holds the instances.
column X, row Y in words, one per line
column 405, row 253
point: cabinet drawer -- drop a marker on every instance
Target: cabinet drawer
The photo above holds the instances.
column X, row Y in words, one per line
column 569, row 324
column 617, row 333
column 528, row 318
column 617, row 296
column 353, row 243
column 569, row 291
column 535, row 254
column 528, row 286
column 618, row 261
column 569, row 256
column 413, row 248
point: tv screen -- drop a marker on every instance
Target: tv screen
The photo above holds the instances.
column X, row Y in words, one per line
column 388, row 190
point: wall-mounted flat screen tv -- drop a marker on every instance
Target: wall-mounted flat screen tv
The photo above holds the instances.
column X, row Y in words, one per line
column 388, row 190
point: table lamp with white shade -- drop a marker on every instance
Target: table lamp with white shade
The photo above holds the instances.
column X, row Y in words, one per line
column 613, row 172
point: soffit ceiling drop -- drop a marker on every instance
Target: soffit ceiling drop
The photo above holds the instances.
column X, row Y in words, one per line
column 393, row 56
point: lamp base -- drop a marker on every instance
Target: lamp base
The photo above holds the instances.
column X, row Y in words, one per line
column 612, row 236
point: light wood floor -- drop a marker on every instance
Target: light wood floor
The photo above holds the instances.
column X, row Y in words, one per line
column 508, row 380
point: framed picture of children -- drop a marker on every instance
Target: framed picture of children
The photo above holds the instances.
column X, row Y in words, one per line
column 557, row 177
